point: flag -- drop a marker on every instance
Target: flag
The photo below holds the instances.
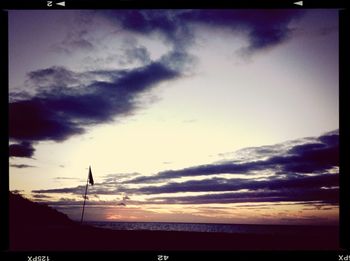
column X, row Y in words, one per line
column 91, row 180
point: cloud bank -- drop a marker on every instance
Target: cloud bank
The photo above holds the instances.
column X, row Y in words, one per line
column 305, row 172
column 264, row 28
column 306, row 158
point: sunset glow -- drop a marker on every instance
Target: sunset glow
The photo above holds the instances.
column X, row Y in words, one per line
column 203, row 116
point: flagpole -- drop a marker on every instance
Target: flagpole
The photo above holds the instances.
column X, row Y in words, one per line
column 82, row 214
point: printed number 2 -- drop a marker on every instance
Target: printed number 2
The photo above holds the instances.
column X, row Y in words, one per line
column 49, row 3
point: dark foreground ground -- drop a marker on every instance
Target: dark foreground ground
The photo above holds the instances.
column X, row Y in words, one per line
column 37, row 227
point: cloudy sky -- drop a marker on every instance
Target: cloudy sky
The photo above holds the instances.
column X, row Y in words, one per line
column 223, row 116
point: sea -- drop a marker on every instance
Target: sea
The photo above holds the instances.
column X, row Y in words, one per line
column 220, row 228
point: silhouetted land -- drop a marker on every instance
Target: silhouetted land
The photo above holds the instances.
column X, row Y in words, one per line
column 35, row 226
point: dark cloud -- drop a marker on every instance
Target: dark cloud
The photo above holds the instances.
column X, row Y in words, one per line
column 314, row 157
column 210, row 169
column 330, row 196
column 164, row 22
column 264, row 28
column 78, row 203
column 23, row 149
column 21, row 166
column 76, row 190
column 36, row 120
column 58, row 112
column 221, row 184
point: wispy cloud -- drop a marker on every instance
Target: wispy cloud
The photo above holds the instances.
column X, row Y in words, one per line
column 22, row 166
column 330, row 196
column 75, row 40
column 41, row 196
column 66, row 178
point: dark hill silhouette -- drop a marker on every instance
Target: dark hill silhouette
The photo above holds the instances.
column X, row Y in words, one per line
column 35, row 226
column 24, row 213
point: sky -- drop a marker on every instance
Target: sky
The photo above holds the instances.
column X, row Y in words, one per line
column 214, row 116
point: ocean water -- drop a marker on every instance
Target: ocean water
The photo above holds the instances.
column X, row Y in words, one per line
column 222, row 228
